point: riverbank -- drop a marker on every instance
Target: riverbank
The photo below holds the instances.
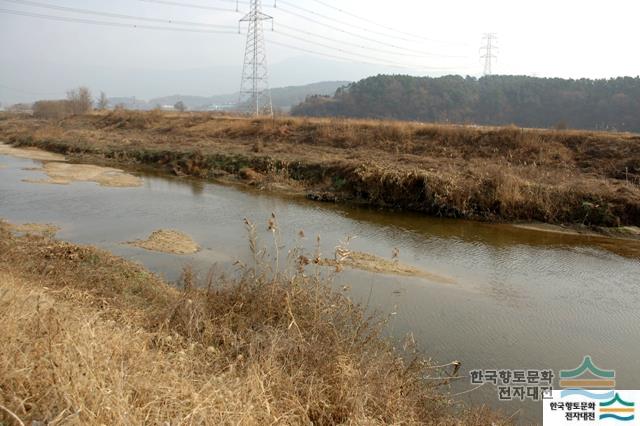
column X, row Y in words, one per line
column 495, row 174
column 94, row 339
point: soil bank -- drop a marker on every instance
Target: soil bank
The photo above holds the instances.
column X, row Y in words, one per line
column 493, row 174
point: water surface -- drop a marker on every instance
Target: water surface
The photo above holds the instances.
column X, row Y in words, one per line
column 522, row 299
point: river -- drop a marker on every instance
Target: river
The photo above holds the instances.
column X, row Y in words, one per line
column 522, row 299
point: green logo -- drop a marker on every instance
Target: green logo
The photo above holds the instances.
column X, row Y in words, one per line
column 601, row 379
column 625, row 411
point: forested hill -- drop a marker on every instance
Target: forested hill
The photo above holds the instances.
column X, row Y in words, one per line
column 495, row 100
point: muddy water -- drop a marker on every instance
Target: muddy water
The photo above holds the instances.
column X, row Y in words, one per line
column 522, row 299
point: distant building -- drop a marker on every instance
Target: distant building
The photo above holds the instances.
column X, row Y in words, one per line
column 221, row 107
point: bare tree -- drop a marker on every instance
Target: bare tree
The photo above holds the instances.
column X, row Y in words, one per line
column 103, row 101
column 80, row 100
column 180, row 106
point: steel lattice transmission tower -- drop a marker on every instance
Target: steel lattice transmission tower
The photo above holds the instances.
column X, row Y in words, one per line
column 255, row 96
column 488, row 49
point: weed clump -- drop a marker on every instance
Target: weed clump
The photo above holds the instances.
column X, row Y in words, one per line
column 92, row 339
column 130, row 120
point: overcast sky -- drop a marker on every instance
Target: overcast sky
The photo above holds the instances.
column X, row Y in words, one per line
column 569, row 38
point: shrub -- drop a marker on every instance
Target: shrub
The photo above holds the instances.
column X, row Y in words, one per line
column 52, row 110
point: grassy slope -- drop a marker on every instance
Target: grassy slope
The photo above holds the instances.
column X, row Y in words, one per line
column 483, row 173
column 89, row 338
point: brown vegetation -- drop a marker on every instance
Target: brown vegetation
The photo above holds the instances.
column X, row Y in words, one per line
column 53, row 110
column 373, row 263
column 508, row 173
column 79, row 100
column 89, row 338
column 168, row 241
column 45, row 229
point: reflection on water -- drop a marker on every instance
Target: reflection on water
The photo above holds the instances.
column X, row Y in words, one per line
column 523, row 299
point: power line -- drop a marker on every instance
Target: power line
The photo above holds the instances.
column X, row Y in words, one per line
column 326, row 55
column 371, row 60
column 255, row 58
column 115, row 15
column 351, row 60
column 178, row 22
column 333, row 27
column 395, row 46
column 193, row 6
column 109, row 24
column 246, row 3
column 378, row 60
column 409, row 52
column 415, row 36
column 350, row 24
column 149, row 27
column 171, row 21
column 388, row 52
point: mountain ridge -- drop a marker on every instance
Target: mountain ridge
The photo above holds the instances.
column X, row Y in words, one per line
column 282, row 97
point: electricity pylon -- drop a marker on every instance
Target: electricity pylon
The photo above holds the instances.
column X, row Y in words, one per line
column 488, row 48
column 255, row 96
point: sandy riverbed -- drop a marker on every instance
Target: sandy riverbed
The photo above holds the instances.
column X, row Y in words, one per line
column 372, row 263
column 168, row 241
column 30, row 153
column 65, row 173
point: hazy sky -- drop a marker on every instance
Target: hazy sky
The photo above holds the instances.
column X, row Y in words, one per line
column 567, row 38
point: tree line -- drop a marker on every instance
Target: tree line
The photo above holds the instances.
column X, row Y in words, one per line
column 78, row 101
column 612, row 104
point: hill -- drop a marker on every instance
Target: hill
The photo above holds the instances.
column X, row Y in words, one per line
column 612, row 104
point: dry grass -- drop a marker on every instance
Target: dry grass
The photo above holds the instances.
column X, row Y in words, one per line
column 54, row 110
column 91, row 339
column 44, row 229
column 489, row 173
column 168, row 241
column 377, row 264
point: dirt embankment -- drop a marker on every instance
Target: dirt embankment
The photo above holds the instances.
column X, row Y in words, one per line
column 89, row 338
column 498, row 174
